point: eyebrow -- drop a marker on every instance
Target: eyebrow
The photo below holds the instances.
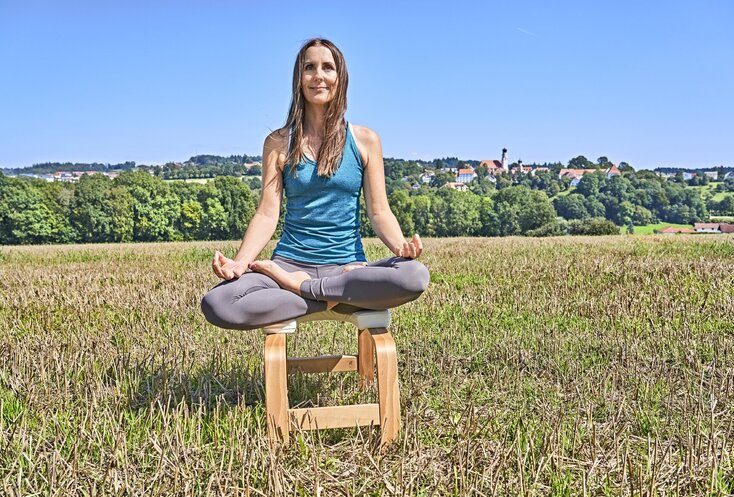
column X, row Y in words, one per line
column 312, row 62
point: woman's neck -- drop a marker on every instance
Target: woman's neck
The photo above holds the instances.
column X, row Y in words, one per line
column 314, row 118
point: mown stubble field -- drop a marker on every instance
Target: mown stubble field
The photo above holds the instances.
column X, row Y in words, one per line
column 573, row 366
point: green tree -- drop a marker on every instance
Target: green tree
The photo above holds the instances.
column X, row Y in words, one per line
column 24, row 217
column 100, row 213
column 488, row 220
column 441, row 178
column 156, row 210
column 422, row 217
column 589, row 184
column 580, row 162
column 455, row 213
column 571, row 206
column 190, row 224
column 642, row 216
column 594, row 207
column 402, row 207
column 593, row 226
column 238, row 202
column 214, row 220
column 520, row 210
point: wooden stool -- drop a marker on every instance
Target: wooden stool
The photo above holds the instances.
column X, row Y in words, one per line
column 376, row 347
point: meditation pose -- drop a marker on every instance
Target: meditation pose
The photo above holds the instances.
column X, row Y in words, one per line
column 322, row 163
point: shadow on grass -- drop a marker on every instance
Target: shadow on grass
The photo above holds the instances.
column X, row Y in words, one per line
column 209, row 386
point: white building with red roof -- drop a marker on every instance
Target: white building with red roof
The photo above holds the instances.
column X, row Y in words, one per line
column 706, row 228
column 465, row 175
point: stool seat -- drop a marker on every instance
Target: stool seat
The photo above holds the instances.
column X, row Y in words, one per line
column 361, row 319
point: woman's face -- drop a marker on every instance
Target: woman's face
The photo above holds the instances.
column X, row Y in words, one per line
column 318, row 76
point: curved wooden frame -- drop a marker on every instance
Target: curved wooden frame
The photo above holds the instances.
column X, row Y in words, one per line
column 376, row 349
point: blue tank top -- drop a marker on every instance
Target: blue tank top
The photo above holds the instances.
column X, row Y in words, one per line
column 322, row 213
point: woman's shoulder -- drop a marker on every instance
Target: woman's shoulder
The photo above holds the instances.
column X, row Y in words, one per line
column 366, row 135
column 368, row 142
column 278, row 139
column 276, row 146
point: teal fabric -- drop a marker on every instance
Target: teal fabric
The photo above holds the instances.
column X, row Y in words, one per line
column 322, row 213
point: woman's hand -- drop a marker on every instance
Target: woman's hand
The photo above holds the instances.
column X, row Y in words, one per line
column 411, row 249
column 227, row 268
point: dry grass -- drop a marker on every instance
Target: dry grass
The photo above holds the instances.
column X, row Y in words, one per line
column 571, row 366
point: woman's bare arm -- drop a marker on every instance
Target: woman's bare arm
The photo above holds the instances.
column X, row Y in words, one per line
column 263, row 223
column 378, row 209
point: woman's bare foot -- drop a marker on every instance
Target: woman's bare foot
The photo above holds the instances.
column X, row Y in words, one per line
column 288, row 281
column 352, row 267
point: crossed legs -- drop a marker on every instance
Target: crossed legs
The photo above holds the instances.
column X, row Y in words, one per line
column 258, row 299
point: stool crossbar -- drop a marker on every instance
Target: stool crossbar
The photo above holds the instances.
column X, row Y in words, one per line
column 375, row 350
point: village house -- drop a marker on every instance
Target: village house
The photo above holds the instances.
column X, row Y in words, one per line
column 699, row 228
column 427, row 177
column 456, row 185
column 465, row 175
column 706, row 228
column 712, row 175
column 672, row 230
column 729, row 175
column 612, row 171
column 575, row 175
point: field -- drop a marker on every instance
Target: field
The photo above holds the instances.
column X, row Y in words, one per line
column 649, row 229
column 709, row 189
column 569, row 366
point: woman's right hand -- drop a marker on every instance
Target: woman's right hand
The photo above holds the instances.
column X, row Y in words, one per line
column 227, row 268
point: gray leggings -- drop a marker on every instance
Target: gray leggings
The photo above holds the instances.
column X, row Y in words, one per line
column 255, row 300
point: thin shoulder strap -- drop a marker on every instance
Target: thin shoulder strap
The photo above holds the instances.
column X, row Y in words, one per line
column 351, row 131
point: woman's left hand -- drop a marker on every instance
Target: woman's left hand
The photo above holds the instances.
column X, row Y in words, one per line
column 411, row 249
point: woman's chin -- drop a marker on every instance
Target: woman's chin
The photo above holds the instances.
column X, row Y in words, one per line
column 319, row 101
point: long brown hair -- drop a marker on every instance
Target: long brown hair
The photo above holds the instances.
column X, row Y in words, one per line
column 335, row 133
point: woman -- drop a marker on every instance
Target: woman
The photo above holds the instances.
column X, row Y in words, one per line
column 322, row 163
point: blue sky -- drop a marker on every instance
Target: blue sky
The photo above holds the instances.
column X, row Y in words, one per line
column 650, row 83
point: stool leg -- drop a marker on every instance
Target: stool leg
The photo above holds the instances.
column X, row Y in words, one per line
column 276, row 388
column 365, row 359
column 387, row 384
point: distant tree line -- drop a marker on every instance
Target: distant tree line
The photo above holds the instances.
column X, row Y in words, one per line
column 639, row 198
column 140, row 206
column 135, row 206
column 198, row 166
column 210, row 166
column 68, row 167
